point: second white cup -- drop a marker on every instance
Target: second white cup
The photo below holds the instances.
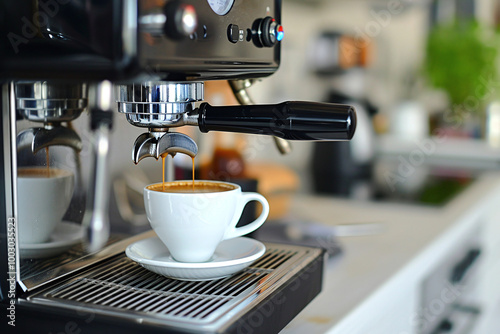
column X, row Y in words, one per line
column 42, row 202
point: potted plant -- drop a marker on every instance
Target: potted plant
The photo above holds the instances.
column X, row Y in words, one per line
column 462, row 60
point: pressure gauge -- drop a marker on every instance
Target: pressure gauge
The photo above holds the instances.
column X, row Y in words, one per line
column 221, row 7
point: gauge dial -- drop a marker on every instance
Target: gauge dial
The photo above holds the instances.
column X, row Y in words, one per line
column 221, row 7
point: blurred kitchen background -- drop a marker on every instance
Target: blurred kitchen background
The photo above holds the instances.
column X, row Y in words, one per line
column 423, row 76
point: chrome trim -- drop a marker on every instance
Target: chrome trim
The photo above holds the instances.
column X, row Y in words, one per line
column 129, row 30
column 153, row 23
column 12, row 170
column 43, row 101
column 158, row 104
column 101, row 96
column 158, row 144
column 39, row 138
column 96, row 221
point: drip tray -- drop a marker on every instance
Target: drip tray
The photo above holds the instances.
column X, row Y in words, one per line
column 262, row 298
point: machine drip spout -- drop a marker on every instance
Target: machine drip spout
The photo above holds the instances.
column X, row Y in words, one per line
column 40, row 138
column 157, row 144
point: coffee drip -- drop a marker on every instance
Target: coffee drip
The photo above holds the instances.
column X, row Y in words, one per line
column 163, row 171
column 193, row 169
column 163, row 157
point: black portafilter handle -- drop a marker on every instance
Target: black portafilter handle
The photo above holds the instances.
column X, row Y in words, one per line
column 289, row 120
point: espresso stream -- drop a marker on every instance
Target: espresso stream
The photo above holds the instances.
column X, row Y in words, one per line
column 163, row 184
column 188, row 187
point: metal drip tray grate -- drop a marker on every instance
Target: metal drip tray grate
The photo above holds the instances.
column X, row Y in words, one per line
column 32, row 267
column 123, row 284
column 122, row 288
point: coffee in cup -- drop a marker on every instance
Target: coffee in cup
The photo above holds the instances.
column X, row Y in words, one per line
column 191, row 219
column 189, row 187
column 42, row 202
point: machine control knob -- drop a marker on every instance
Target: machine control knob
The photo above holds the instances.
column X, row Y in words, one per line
column 267, row 32
column 182, row 19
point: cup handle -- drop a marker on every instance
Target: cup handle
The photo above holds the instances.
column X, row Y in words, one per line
column 234, row 231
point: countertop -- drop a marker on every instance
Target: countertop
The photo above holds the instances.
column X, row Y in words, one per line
column 376, row 272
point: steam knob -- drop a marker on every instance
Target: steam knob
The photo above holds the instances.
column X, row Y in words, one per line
column 181, row 20
column 267, row 32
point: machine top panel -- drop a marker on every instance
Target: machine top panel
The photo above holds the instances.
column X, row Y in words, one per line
column 126, row 40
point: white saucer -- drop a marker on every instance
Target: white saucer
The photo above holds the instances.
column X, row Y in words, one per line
column 230, row 257
column 65, row 236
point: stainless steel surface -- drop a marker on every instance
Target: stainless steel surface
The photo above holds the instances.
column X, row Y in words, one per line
column 41, row 268
column 153, row 23
column 283, row 145
column 158, row 104
column 101, row 96
column 10, row 168
column 44, row 101
column 121, row 288
column 129, row 31
column 82, row 259
column 239, row 88
column 157, row 144
column 96, row 219
column 39, row 138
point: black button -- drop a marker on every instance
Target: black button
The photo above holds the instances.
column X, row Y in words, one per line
column 233, row 33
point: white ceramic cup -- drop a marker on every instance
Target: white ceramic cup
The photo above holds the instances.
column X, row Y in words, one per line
column 192, row 225
column 42, row 202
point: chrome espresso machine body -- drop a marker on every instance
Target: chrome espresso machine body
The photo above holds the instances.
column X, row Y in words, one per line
column 63, row 60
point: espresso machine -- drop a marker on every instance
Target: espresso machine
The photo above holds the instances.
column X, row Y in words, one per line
column 91, row 61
